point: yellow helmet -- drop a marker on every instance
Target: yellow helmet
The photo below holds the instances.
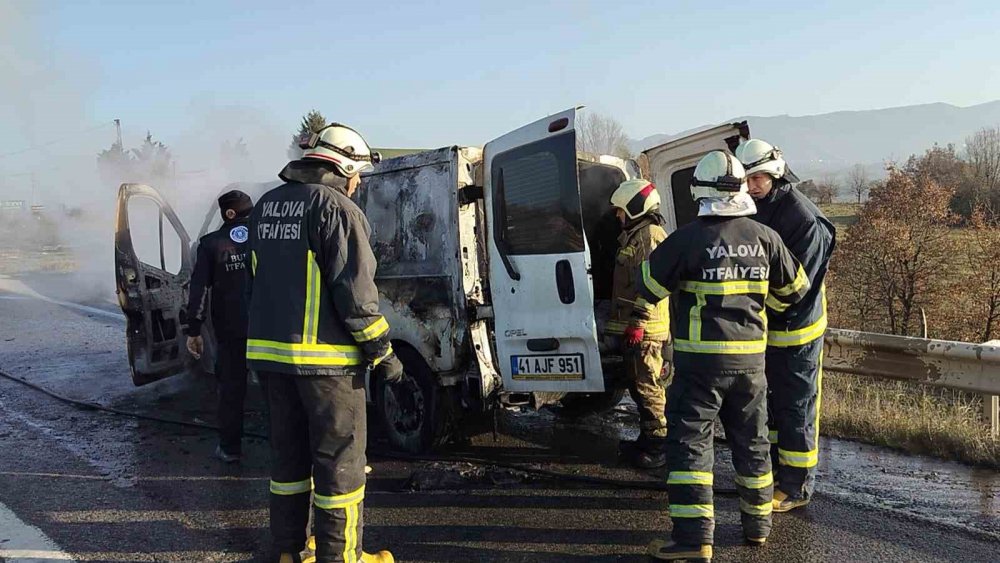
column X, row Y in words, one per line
column 636, row 198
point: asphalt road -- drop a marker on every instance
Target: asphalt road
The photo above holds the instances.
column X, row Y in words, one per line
column 90, row 486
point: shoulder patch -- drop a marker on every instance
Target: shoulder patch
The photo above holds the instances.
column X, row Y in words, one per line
column 239, row 234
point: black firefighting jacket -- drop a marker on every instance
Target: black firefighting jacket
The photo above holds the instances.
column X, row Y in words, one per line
column 721, row 272
column 811, row 237
column 314, row 304
column 222, row 267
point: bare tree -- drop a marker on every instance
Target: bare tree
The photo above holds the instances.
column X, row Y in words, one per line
column 983, row 257
column 857, row 180
column 983, row 154
column 601, row 134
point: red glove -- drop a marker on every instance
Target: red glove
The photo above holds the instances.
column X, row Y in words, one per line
column 633, row 335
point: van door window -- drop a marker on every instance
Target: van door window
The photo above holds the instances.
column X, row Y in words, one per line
column 538, row 199
column 685, row 209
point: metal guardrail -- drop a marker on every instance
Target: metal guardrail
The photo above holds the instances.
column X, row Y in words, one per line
column 942, row 363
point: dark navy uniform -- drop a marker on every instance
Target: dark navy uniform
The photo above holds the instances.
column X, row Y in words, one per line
column 221, row 272
column 720, row 273
column 795, row 340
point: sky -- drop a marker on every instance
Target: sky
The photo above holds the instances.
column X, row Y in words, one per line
column 428, row 74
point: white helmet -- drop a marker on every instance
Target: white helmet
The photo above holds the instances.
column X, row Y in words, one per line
column 636, row 198
column 718, row 174
column 342, row 146
column 760, row 156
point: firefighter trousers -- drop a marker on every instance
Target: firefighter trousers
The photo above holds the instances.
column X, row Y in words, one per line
column 794, row 381
column 318, row 435
column 696, row 399
column 648, row 386
column 231, row 375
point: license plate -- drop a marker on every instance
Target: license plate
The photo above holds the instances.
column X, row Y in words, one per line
column 556, row 367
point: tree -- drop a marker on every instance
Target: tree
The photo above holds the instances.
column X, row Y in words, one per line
column 821, row 193
column 983, row 258
column 943, row 165
column 857, row 181
column 153, row 160
column 601, row 134
column 115, row 164
column 891, row 260
column 983, row 155
column 312, row 122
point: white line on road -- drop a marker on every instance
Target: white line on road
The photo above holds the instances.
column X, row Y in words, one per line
column 77, row 306
column 21, row 543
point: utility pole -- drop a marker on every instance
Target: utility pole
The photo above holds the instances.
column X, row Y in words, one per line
column 118, row 131
column 33, row 188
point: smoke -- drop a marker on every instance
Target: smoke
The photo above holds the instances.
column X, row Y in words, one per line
column 48, row 157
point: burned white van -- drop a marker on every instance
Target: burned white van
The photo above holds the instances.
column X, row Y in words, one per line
column 495, row 269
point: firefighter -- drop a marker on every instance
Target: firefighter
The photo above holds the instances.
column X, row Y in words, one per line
column 315, row 330
column 721, row 271
column 221, row 268
column 643, row 342
column 795, row 337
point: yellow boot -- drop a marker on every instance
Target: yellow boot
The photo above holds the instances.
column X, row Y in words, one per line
column 666, row 550
column 380, row 557
column 783, row 503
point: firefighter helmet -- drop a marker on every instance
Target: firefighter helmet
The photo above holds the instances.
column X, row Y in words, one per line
column 636, row 198
column 718, row 174
column 759, row 156
column 341, row 145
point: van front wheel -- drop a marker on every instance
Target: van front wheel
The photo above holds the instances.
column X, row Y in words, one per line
column 411, row 410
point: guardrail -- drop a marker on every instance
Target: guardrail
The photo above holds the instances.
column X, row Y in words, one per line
column 942, row 363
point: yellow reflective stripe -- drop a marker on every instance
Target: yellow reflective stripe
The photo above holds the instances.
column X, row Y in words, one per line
column 690, row 478
column 772, row 436
column 351, row 534
column 692, row 511
column 292, row 488
column 303, row 354
column 755, row 482
column 798, row 459
column 372, row 331
column 310, row 324
column 339, row 501
column 778, row 306
column 721, row 347
column 627, row 251
column 253, row 261
column 797, row 284
column 651, row 284
column 694, row 318
column 798, row 337
column 383, row 357
column 756, row 509
column 725, row 288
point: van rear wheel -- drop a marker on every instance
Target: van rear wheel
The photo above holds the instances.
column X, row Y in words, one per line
column 411, row 411
column 579, row 405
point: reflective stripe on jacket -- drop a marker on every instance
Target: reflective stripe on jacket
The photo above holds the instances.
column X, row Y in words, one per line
column 636, row 244
column 811, row 238
column 314, row 304
column 721, row 273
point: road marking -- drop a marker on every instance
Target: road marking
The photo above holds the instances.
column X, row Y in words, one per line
column 21, row 543
column 71, row 305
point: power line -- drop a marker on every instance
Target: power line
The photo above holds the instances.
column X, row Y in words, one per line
column 59, row 140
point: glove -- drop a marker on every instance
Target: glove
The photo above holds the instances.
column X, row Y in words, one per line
column 390, row 369
column 196, row 346
column 633, row 336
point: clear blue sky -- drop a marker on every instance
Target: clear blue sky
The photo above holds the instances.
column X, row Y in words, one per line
column 434, row 73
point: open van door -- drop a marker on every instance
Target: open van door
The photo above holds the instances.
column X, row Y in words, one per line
column 671, row 167
column 540, row 280
column 152, row 270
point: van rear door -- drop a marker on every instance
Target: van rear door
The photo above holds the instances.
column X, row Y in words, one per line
column 152, row 271
column 540, row 280
column 671, row 167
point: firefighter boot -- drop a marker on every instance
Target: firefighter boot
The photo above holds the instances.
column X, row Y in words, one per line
column 666, row 550
column 308, row 555
column 783, row 503
column 380, row 557
column 289, row 558
column 650, row 453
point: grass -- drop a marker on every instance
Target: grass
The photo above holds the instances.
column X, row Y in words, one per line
column 909, row 417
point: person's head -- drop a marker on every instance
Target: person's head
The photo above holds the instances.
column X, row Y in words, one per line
column 764, row 163
column 234, row 204
column 634, row 199
column 718, row 175
column 345, row 148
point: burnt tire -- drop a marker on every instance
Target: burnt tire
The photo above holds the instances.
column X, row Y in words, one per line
column 411, row 411
column 579, row 405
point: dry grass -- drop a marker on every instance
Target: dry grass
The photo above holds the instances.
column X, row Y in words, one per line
column 910, row 417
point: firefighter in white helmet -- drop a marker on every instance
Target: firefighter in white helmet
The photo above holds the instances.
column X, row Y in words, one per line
column 645, row 343
column 795, row 336
column 720, row 271
column 315, row 330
